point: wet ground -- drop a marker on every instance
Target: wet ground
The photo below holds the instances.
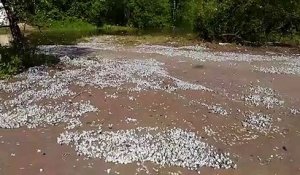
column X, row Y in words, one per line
column 230, row 101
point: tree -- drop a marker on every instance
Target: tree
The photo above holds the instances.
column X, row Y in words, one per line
column 18, row 38
column 184, row 13
column 149, row 14
column 249, row 20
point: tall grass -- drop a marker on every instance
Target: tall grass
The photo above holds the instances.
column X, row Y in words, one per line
column 63, row 32
column 117, row 30
column 4, row 30
column 70, row 25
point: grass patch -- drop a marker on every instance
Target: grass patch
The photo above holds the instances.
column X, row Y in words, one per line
column 62, row 32
column 4, row 30
column 64, row 37
column 70, row 32
column 293, row 40
column 117, row 30
column 132, row 36
column 159, row 38
column 69, row 25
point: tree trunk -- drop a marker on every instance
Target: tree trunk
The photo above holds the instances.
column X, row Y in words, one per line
column 18, row 38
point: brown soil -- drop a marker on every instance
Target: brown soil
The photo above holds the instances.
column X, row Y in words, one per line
column 275, row 153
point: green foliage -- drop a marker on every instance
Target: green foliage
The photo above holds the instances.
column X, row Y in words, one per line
column 94, row 11
column 9, row 62
column 150, row 14
column 185, row 13
column 4, row 31
column 117, row 30
column 12, row 61
column 290, row 39
column 250, row 20
column 66, row 31
column 253, row 20
column 69, row 24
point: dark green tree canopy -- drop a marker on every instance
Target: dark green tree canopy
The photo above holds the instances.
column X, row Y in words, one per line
column 252, row 20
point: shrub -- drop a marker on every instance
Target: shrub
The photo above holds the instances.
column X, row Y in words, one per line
column 252, row 20
column 9, row 63
column 149, row 13
column 12, row 61
column 246, row 20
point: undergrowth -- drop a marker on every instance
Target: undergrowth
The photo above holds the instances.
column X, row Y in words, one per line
column 12, row 61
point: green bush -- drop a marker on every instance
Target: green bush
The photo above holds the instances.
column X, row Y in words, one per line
column 185, row 13
column 149, row 13
column 251, row 20
column 247, row 20
column 69, row 23
column 12, row 61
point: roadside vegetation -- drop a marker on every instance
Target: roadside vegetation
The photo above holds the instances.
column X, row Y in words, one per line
column 65, row 31
column 251, row 22
column 12, row 61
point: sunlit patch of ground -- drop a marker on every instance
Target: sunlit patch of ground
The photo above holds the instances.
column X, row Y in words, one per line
column 150, row 109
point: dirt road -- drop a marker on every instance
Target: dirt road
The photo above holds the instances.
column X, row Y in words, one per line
column 152, row 109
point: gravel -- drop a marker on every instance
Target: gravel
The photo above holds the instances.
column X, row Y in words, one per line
column 30, row 103
column 213, row 108
column 195, row 52
column 259, row 122
column 202, row 54
column 40, row 85
column 290, row 66
column 293, row 70
column 34, row 115
column 171, row 147
column 92, row 44
column 2, row 108
column 73, row 123
column 267, row 97
column 31, row 96
column 130, row 120
column 216, row 109
column 143, row 74
column 294, row 111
